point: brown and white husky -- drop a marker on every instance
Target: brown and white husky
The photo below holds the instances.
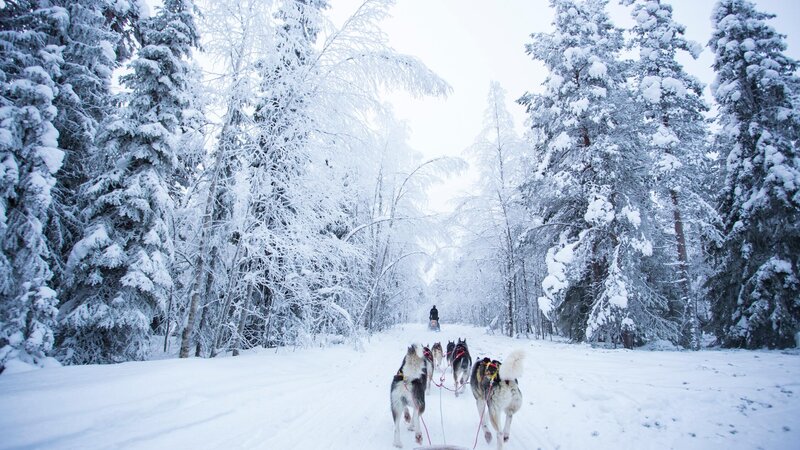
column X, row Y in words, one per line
column 495, row 387
column 438, row 355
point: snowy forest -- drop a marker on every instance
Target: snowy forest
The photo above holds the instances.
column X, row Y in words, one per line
column 219, row 175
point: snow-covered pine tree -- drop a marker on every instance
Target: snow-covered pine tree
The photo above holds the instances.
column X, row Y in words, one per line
column 755, row 286
column 591, row 188
column 84, row 101
column 672, row 106
column 29, row 159
column 120, row 269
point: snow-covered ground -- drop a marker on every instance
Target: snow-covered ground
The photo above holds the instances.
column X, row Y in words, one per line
column 576, row 397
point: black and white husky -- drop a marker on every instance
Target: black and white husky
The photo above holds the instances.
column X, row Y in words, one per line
column 461, row 364
column 495, row 387
column 408, row 392
column 449, row 354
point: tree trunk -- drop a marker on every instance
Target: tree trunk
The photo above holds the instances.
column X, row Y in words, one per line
column 198, row 350
column 200, row 274
column 690, row 306
column 510, row 299
column 187, row 330
column 530, row 320
column 169, row 313
column 242, row 319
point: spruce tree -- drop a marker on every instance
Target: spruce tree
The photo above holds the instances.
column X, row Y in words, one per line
column 121, row 268
column 29, row 160
column 84, row 102
column 755, row 287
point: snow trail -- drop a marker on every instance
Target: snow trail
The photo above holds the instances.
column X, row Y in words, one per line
column 575, row 397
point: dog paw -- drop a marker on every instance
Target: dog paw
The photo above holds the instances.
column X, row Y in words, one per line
column 418, row 438
column 488, row 436
column 505, row 438
column 398, row 444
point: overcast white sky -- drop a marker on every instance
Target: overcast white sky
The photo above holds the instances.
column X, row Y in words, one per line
column 472, row 42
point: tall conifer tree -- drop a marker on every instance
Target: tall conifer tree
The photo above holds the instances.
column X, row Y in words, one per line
column 29, row 160
column 121, row 268
column 590, row 188
column 672, row 106
column 755, row 286
column 92, row 50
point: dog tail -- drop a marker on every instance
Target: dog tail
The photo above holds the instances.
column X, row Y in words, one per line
column 512, row 367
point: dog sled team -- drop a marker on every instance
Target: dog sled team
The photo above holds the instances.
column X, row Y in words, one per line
column 494, row 386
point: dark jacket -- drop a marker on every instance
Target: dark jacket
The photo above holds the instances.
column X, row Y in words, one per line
column 434, row 314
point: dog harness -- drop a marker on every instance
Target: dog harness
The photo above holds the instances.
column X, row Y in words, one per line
column 487, row 364
column 459, row 351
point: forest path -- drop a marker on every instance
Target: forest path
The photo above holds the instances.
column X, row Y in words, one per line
column 575, row 397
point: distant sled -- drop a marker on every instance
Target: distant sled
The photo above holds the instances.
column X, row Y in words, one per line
column 433, row 325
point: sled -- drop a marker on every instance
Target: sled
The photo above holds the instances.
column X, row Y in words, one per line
column 434, row 325
column 441, row 447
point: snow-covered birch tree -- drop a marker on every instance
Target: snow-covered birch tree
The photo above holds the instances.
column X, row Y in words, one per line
column 236, row 35
column 305, row 138
column 492, row 218
column 755, row 287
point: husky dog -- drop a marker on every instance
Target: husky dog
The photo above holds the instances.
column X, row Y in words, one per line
column 450, row 347
column 428, row 355
column 461, row 364
column 408, row 391
column 494, row 385
column 437, row 355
